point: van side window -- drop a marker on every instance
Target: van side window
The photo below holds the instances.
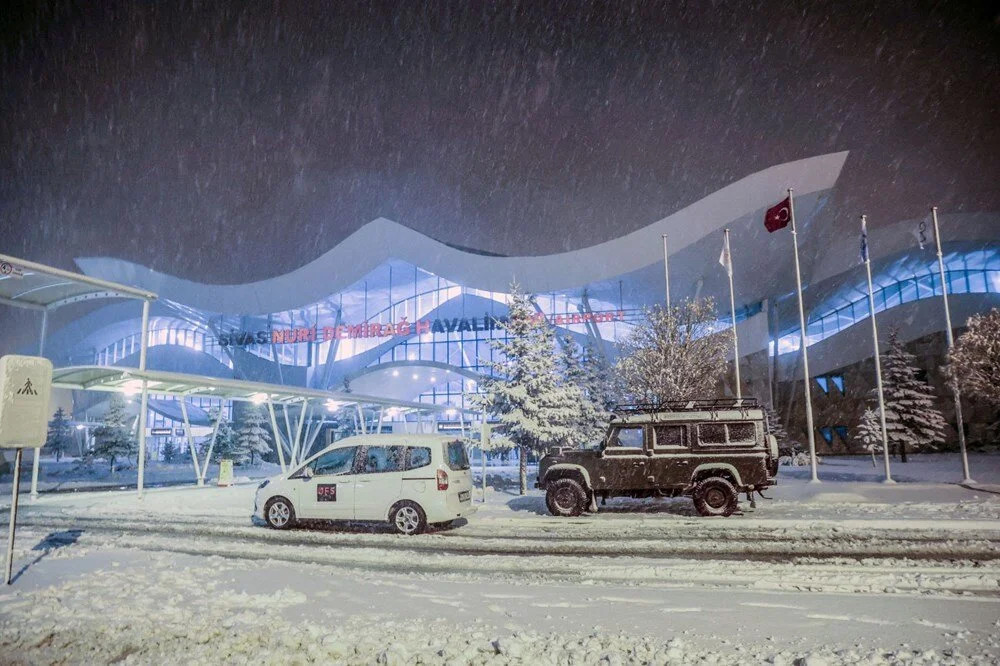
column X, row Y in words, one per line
column 420, row 456
column 338, row 461
column 380, row 459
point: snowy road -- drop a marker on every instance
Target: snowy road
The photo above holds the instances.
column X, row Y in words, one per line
column 847, row 576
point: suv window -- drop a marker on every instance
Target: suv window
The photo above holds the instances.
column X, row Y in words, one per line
column 458, row 459
column 626, row 438
column 669, row 436
column 338, row 461
column 735, row 434
column 420, row 456
column 742, row 433
column 711, row 433
column 380, row 459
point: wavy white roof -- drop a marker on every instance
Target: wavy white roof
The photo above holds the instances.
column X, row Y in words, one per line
column 382, row 239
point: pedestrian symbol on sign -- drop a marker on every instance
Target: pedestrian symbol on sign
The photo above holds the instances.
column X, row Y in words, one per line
column 27, row 389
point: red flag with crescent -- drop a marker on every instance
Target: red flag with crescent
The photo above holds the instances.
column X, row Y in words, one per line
column 777, row 217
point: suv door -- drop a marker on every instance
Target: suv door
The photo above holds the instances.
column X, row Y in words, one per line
column 378, row 481
column 670, row 464
column 329, row 493
column 623, row 461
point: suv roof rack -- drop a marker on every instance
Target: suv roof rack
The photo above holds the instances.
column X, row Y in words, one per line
column 688, row 406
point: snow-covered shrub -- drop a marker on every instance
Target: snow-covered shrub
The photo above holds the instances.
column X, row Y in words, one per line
column 674, row 353
column 975, row 360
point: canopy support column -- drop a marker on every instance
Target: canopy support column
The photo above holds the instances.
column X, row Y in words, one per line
column 381, row 415
column 190, row 439
column 277, row 438
column 297, row 444
column 361, row 416
column 38, row 452
column 144, row 403
column 211, row 445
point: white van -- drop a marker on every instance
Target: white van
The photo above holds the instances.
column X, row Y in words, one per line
column 412, row 481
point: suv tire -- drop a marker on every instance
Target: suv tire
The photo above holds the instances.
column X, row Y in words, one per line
column 565, row 497
column 715, row 496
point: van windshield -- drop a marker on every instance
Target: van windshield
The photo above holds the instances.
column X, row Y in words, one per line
column 456, row 455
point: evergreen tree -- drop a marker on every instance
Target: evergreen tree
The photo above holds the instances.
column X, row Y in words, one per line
column 912, row 421
column 674, row 354
column 776, row 427
column 60, row 434
column 525, row 394
column 169, row 451
column 252, row 436
column 602, row 384
column 227, row 444
column 869, row 432
column 591, row 418
column 113, row 439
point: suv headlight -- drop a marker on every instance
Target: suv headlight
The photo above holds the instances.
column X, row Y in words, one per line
column 263, row 483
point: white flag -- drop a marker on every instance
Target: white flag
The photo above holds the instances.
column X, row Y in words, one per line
column 920, row 232
column 725, row 258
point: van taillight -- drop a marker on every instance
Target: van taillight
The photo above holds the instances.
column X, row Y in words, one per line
column 442, row 478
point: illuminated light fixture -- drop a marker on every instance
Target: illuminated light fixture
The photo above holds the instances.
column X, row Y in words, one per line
column 450, row 412
column 395, row 373
column 412, row 357
column 258, row 398
column 393, row 412
column 132, row 387
column 333, row 405
column 433, row 380
column 416, row 376
column 80, row 426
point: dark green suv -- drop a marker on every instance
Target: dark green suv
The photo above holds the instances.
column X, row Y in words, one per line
column 710, row 450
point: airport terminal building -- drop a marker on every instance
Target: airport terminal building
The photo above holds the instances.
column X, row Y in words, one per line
column 394, row 313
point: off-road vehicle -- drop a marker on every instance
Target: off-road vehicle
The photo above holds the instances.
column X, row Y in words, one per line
column 710, row 450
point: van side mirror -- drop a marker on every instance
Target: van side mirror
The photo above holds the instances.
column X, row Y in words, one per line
column 307, row 473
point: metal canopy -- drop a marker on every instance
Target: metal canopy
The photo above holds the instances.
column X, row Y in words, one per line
column 25, row 284
column 129, row 380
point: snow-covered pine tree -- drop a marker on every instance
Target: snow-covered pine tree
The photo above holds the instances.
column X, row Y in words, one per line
column 252, row 435
column 674, row 354
column 227, row 445
column 912, row 421
column 776, row 427
column 60, row 434
column 975, row 360
column 591, row 419
column 525, row 394
column 169, row 450
column 869, row 433
column 113, row 439
column 602, row 384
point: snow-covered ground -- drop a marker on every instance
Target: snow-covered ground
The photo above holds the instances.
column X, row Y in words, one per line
column 850, row 571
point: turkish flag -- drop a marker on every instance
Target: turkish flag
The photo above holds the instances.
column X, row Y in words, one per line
column 777, row 217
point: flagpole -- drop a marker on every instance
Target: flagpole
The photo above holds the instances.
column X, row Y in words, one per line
column 732, row 312
column 951, row 343
column 666, row 270
column 802, row 342
column 866, row 255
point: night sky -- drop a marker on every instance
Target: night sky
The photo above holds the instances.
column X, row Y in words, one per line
column 235, row 141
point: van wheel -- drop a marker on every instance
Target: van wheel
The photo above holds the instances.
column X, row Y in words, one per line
column 715, row 496
column 408, row 518
column 565, row 497
column 279, row 513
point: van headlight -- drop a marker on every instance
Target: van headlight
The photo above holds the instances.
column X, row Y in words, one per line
column 263, row 483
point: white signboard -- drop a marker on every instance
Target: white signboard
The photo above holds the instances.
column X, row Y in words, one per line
column 25, row 389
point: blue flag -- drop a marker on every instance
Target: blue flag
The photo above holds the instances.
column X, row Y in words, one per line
column 864, row 239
